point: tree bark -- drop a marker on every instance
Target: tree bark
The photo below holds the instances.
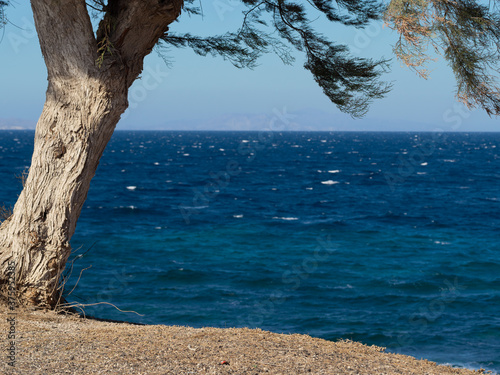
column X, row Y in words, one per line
column 86, row 95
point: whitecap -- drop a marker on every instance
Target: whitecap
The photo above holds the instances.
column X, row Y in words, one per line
column 131, row 187
column 449, row 160
column 334, row 171
column 329, row 182
column 156, row 163
column 309, row 188
column 192, row 207
column 421, row 172
column 237, row 216
column 424, row 164
column 348, row 286
column 286, row 218
column 185, row 154
column 245, row 141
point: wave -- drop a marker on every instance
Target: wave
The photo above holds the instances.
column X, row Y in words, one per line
column 285, row 218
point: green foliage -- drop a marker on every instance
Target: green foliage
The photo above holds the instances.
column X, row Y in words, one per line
column 465, row 32
column 3, row 18
column 229, row 46
column 104, row 45
column 351, row 83
column 279, row 26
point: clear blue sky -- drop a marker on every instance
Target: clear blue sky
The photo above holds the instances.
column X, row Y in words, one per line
column 197, row 90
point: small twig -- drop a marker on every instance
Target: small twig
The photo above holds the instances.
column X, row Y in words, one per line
column 80, row 305
column 77, row 281
column 65, row 277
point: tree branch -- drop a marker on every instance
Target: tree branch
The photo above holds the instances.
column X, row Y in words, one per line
column 130, row 29
column 68, row 51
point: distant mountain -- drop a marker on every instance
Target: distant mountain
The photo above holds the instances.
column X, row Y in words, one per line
column 303, row 120
column 16, row 124
column 275, row 120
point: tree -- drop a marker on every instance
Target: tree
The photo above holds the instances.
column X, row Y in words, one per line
column 90, row 72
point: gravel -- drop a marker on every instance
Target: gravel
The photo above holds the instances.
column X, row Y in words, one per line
column 50, row 343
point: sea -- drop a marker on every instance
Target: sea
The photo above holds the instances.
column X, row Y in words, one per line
column 389, row 239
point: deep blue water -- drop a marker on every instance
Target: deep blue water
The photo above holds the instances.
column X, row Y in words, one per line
column 385, row 238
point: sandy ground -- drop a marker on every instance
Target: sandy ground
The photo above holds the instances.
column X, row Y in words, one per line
column 47, row 343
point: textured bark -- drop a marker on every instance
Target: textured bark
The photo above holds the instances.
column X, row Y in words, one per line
column 83, row 105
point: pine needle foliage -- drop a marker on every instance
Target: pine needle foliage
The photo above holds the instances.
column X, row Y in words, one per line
column 465, row 32
column 3, row 18
column 279, row 26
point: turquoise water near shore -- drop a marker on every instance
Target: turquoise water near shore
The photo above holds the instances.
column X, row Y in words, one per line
column 384, row 238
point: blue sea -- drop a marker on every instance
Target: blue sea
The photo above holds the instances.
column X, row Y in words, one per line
column 390, row 239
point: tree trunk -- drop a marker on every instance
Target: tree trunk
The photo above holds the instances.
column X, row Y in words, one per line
column 85, row 100
column 70, row 138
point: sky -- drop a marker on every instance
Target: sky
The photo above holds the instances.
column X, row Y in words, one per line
column 206, row 93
